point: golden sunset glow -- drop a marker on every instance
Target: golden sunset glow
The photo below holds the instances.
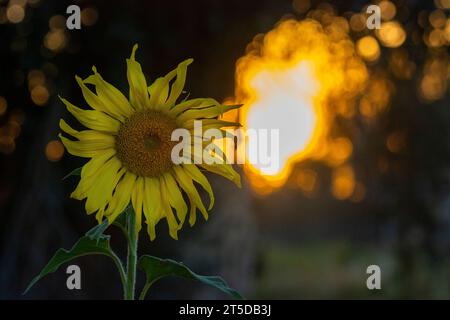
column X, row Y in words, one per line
column 297, row 78
column 293, row 90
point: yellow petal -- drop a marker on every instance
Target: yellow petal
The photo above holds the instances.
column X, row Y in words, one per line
column 192, row 212
column 121, row 198
column 178, row 85
column 99, row 215
column 159, row 90
column 93, row 119
column 185, row 181
column 197, row 176
column 197, row 103
column 175, row 197
column 137, row 198
column 88, row 135
column 152, row 205
column 151, row 230
column 224, row 170
column 111, row 98
column 189, row 156
column 101, row 191
column 136, row 80
column 209, row 124
column 167, row 211
column 209, row 112
column 89, row 173
column 91, row 98
column 85, row 149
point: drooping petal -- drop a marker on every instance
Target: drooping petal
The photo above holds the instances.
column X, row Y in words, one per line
column 197, row 176
column 115, row 103
column 152, row 205
column 121, row 198
column 209, row 112
column 93, row 119
column 88, row 135
column 175, row 197
column 193, row 104
column 178, row 85
column 185, row 181
column 218, row 155
column 137, row 200
column 138, row 85
column 167, row 211
column 225, row 170
column 92, row 99
column 209, row 124
column 159, row 90
column 86, row 149
column 99, row 215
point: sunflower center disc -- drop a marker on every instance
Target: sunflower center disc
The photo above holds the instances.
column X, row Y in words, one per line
column 143, row 143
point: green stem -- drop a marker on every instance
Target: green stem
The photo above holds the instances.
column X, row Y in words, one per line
column 119, row 266
column 132, row 255
column 146, row 287
column 144, row 291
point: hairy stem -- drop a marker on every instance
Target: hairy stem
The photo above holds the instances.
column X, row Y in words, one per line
column 132, row 255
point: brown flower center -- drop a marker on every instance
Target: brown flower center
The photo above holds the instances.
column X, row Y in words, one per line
column 143, row 143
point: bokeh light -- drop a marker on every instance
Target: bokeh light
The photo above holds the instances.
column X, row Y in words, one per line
column 388, row 10
column 307, row 181
column 15, row 13
column 35, row 78
column 89, row 16
column 40, row 95
column 298, row 78
column 391, row 34
column 433, row 84
column 368, row 48
column 343, row 182
column 437, row 18
column 55, row 40
column 7, row 144
column 400, row 64
column 358, row 22
column 301, row 6
column 3, row 106
column 57, row 22
column 339, row 151
column 443, row 4
column 396, row 142
column 54, row 150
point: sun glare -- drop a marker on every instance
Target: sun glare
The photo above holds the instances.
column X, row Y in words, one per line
column 297, row 78
column 284, row 101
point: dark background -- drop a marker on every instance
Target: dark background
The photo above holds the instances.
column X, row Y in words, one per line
column 285, row 245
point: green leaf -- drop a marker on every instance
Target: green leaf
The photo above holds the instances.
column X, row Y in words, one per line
column 156, row 268
column 94, row 242
column 75, row 172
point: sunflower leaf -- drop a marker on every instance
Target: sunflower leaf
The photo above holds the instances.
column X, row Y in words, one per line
column 156, row 268
column 75, row 172
column 93, row 243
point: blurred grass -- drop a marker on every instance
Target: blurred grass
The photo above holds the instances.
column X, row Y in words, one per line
column 337, row 270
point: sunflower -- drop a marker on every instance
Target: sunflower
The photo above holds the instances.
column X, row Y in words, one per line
column 129, row 145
